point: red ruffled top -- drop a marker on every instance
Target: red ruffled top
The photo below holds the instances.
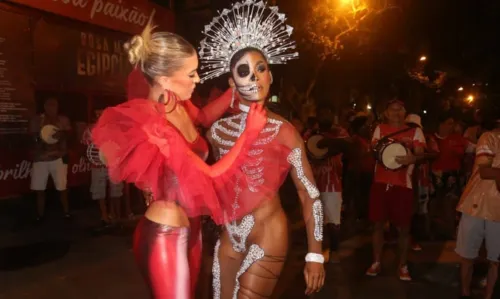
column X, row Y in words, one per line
column 142, row 147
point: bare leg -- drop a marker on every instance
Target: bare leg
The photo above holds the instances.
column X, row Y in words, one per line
column 260, row 271
column 491, row 280
column 40, row 203
column 64, row 200
column 404, row 240
column 104, row 210
column 116, row 203
column 466, row 269
column 378, row 241
column 229, row 262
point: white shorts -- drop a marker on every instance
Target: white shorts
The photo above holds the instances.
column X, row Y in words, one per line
column 472, row 231
column 332, row 203
column 100, row 181
column 41, row 171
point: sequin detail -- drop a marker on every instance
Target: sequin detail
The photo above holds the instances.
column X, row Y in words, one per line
column 255, row 253
column 253, row 171
column 216, row 272
column 238, row 233
column 295, row 158
column 317, row 210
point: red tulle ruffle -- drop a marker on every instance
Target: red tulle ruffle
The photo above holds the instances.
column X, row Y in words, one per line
column 141, row 147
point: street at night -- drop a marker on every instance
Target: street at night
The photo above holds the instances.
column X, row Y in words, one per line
column 249, row 149
column 61, row 260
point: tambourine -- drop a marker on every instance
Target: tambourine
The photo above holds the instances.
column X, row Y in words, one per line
column 95, row 156
column 387, row 151
column 313, row 151
column 47, row 134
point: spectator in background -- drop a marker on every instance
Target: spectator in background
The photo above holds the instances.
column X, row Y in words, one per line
column 311, row 127
column 99, row 183
column 472, row 134
column 50, row 159
column 361, row 164
column 480, row 207
column 328, row 176
column 298, row 124
column 446, row 171
column 391, row 194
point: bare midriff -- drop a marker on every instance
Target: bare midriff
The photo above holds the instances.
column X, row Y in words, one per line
column 270, row 222
column 167, row 213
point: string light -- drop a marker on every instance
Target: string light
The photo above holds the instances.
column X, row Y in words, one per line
column 460, row 88
column 369, row 107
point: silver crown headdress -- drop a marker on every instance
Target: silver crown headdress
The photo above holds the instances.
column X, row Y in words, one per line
column 247, row 24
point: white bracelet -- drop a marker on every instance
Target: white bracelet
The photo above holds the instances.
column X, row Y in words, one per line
column 315, row 258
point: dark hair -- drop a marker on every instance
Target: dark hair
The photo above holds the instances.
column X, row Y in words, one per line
column 240, row 53
column 311, row 122
column 444, row 117
column 325, row 124
column 48, row 99
column 490, row 118
column 358, row 123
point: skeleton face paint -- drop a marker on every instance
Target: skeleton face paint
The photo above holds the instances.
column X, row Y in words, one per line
column 252, row 77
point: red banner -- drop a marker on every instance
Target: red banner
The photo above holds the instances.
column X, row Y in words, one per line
column 127, row 16
column 15, row 171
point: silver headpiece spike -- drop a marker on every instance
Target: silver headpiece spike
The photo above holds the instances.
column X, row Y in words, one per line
column 246, row 24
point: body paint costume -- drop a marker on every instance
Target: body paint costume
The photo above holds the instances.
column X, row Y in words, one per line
column 246, row 266
column 140, row 146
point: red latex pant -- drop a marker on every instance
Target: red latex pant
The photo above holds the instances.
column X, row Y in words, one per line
column 169, row 258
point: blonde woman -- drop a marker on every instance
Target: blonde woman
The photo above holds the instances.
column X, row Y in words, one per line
column 153, row 143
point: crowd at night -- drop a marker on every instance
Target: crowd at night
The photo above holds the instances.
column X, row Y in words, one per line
column 231, row 149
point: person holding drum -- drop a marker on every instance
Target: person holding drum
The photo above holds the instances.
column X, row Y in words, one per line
column 50, row 131
column 391, row 197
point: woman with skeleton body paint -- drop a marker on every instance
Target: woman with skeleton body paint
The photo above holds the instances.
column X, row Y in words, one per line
column 251, row 252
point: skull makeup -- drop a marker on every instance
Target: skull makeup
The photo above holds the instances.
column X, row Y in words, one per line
column 251, row 76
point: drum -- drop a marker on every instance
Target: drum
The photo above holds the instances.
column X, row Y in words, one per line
column 386, row 153
column 313, row 151
column 47, row 134
column 95, row 156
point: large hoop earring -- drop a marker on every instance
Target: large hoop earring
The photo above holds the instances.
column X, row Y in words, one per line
column 232, row 98
column 171, row 97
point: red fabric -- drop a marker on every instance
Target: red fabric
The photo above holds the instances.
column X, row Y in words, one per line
column 411, row 139
column 451, row 152
column 328, row 173
column 391, row 203
column 141, row 147
column 165, row 257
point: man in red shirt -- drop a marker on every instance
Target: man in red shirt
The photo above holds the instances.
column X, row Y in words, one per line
column 391, row 195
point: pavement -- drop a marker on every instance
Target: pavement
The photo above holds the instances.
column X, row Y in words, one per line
column 62, row 259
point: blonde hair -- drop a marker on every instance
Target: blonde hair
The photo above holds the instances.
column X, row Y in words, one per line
column 158, row 53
